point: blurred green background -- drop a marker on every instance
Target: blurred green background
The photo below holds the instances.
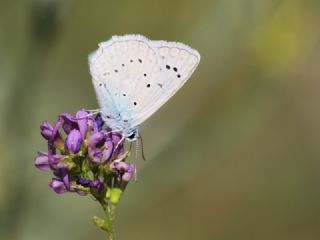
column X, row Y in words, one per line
column 234, row 155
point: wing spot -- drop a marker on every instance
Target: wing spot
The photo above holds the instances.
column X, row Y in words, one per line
column 160, row 85
column 100, row 84
column 135, row 103
column 106, row 73
column 167, row 67
column 116, row 70
column 122, row 65
column 148, row 85
column 125, row 120
column 131, row 60
column 145, row 74
column 175, row 69
column 124, row 94
column 108, row 117
column 179, row 76
column 140, row 61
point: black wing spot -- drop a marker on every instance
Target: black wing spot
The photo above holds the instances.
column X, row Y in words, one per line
column 145, row 74
column 175, row 69
column 160, row 85
column 108, row 117
column 179, row 76
column 135, row 103
column 140, row 61
column 131, row 60
column 100, row 84
column 125, row 120
column 116, row 70
column 148, row 85
column 122, row 65
column 167, row 67
column 124, row 94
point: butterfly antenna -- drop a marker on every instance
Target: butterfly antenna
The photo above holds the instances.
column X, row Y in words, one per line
column 142, row 152
column 135, row 162
column 118, row 144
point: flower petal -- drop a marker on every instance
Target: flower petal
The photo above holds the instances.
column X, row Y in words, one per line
column 42, row 161
column 73, row 141
column 82, row 120
column 58, row 186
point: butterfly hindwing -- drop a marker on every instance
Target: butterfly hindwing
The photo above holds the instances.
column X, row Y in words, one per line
column 176, row 63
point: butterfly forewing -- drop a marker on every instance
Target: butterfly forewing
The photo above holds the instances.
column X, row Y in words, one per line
column 134, row 76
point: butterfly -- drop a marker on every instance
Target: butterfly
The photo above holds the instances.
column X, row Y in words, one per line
column 134, row 76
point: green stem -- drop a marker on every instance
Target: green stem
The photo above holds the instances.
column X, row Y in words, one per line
column 109, row 220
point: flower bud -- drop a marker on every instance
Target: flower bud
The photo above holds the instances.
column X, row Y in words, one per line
column 115, row 195
column 58, row 186
column 42, row 161
column 95, row 139
column 73, row 141
column 46, row 130
column 82, row 120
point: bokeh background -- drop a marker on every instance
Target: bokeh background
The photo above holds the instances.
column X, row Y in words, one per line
column 234, row 155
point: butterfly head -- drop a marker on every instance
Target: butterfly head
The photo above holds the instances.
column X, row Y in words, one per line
column 131, row 135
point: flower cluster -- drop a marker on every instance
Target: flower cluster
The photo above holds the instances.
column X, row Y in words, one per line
column 85, row 157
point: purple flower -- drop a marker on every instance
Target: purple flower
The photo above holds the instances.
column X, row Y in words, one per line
column 58, row 186
column 82, row 120
column 97, row 184
column 69, row 122
column 95, row 139
column 123, row 169
column 42, row 161
column 84, row 182
column 46, row 130
column 99, row 122
column 73, row 142
column 47, row 162
column 56, row 163
column 89, row 149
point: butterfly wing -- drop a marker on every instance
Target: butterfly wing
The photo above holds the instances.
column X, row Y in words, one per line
column 176, row 63
column 117, row 67
column 134, row 76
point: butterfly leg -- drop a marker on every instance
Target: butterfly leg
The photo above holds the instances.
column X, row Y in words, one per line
column 91, row 113
column 118, row 144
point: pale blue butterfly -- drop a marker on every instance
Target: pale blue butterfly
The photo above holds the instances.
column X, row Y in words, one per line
column 134, row 76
